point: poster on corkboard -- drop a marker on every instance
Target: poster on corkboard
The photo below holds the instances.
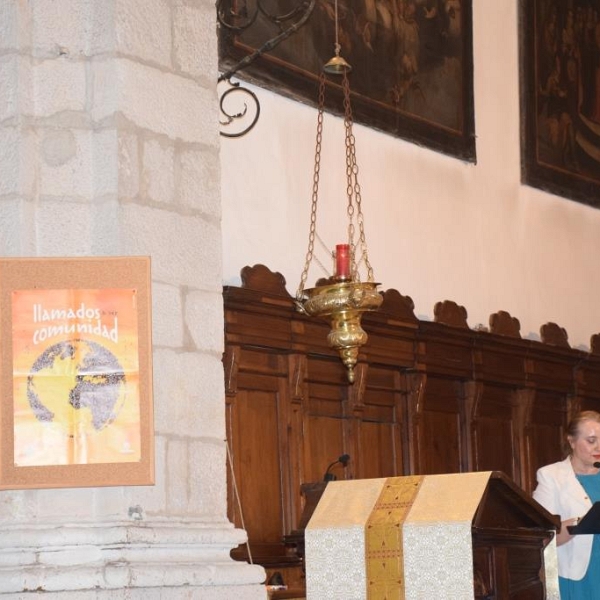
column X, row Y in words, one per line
column 75, row 372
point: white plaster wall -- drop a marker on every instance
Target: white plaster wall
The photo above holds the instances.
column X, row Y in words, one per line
column 437, row 228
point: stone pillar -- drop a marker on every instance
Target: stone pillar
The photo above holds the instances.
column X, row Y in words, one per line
column 109, row 146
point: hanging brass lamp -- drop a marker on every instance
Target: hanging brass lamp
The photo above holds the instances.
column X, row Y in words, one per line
column 342, row 298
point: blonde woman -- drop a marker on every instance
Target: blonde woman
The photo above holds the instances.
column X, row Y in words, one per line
column 569, row 488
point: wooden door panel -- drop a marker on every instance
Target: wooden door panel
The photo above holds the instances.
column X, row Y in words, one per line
column 379, row 422
column 590, row 403
column 255, row 450
column 327, row 370
column 256, row 360
column 546, row 432
column 378, row 450
column 438, row 427
column 494, row 446
column 442, row 395
column 439, row 440
column 324, row 442
column 494, row 439
column 376, row 410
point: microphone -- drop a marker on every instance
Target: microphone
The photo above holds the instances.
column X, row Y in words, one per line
column 343, row 460
column 597, row 465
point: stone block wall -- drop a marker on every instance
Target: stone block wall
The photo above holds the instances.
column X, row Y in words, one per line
column 109, row 146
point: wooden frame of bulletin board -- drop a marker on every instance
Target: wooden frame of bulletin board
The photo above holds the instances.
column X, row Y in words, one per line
column 75, row 372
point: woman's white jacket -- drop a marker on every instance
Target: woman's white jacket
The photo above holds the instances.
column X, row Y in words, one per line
column 559, row 492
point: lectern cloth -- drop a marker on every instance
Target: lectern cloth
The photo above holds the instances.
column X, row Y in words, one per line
column 334, row 540
column 438, row 550
column 420, row 534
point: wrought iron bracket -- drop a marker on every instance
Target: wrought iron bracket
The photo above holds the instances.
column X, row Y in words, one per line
column 239, row 20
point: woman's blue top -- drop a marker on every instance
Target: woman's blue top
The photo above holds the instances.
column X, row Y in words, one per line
column 587, row 588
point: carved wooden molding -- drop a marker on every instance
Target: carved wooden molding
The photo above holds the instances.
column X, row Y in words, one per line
column 401, row 308
column 554, row 335
column 595, row 344
column 502, row 323
column 450, row 313
column 398, row 306
column 262, row 279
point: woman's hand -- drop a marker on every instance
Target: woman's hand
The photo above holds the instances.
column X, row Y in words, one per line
column 563, row 535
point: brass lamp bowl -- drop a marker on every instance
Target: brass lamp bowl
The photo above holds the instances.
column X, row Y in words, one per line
column 343, row 304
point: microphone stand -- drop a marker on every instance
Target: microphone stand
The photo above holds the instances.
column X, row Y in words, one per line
column 342, row 460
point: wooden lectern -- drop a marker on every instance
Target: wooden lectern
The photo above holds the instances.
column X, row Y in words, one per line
column 459, row 536
column 312, row 493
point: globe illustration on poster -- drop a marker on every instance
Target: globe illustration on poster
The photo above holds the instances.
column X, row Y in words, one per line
column 76, row 384
column 76, row 377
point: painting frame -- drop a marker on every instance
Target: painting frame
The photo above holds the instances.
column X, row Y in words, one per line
column 559, row 103
column 383, row 94
column 111, row 394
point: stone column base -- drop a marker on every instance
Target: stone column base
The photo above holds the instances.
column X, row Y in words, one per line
column 147, row 560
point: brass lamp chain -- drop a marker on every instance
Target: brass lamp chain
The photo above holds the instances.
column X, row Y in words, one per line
column 353, row 190
column 315, row 190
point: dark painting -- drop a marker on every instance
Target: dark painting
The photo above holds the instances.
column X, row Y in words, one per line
column 412, row 62
column 560, row 97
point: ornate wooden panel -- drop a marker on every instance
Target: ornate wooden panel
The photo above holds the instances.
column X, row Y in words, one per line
column 492, row 421
column 439, row 434
column 324, row 429
column 257, row 415
column 549, row 417
column 378, row 417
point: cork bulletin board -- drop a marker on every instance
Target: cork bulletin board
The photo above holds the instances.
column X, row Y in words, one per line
column 75, row 372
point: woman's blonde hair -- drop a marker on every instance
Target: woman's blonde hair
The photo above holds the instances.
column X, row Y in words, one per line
column 574, row 425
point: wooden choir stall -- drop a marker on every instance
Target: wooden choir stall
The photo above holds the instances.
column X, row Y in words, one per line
column 429, row 398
